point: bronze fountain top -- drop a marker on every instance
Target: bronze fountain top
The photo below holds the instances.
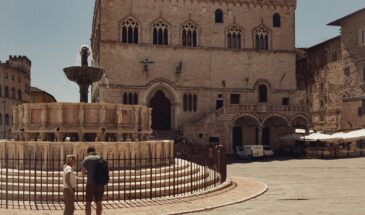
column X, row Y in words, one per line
column 84, row 75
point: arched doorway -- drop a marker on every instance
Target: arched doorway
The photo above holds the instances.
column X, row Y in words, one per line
column 300, row 122
column 273, row 128
column 161, row 111
column 243, row 131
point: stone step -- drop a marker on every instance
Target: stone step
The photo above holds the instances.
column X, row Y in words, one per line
column 180, row 164
column 122, row 186
column 110, row 195
column 122, row 178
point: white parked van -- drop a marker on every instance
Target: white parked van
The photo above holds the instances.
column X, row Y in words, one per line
column 250, row 151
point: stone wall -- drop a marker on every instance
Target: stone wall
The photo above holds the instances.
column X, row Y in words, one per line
column 354, row 67
column 321, row 73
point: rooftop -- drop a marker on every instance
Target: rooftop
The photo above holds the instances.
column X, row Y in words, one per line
column 340, row 21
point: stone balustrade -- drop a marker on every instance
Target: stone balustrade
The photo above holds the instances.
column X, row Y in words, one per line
column 264, row 108
column 81, row 122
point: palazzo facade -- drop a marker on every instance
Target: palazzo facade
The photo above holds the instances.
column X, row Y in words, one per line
column 210, row 70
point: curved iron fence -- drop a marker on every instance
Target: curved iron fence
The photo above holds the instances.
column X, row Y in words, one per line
column 38, row 181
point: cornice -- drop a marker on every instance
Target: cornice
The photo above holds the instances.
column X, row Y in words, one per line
column 182, row 88
column 206, row 48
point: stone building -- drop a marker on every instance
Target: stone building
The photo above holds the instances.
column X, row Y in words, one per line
column 333, row 75
column 39, row 96
column 353, row 61
column 212, row 70
column 319, row 72
column 14, row 89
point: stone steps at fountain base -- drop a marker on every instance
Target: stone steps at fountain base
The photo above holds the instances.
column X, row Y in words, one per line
column 53, row 197
column 156, row 183
column 115, row 178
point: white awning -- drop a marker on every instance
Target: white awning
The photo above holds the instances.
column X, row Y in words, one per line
column 338, row 136
column 316, row 136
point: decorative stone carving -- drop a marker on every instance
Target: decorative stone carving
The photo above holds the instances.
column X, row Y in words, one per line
column 114, row 119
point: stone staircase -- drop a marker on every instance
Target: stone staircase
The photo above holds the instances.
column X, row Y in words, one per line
column 227, row 113
column 46, row 187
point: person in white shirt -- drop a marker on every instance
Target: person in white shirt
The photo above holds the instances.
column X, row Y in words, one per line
column 69, row 185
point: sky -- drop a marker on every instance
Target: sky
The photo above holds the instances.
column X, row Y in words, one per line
column 50, row 33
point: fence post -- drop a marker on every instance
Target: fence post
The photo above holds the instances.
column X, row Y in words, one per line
column 151, row 180
column 7, row 178
column 35, row 179
column 191, row 173
column 222, row 163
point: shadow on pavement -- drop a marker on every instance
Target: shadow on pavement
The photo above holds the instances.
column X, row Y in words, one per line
column 232, row 159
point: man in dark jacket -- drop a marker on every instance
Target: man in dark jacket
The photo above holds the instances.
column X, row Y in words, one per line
column 93, row 191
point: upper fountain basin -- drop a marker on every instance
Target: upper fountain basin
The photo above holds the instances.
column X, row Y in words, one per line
column 83, row 74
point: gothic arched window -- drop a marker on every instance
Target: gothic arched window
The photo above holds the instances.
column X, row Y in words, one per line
column 125, row 98
column 6, row 91
column 190, row 103
column 189, row 35
column 262, row 93
column 185, row 103
column 13, row 93
column 219, row 16
column 195, row 103
column 129, row 31
column 234, row 37
column 7, row 120
column 19, row 94
column 262, row 38
column 160, row 33
column 276, row 20
column 135, row 98
column 130, row 98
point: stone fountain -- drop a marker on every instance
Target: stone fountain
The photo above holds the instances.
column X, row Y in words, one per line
column 44, row 134
column 53, row 130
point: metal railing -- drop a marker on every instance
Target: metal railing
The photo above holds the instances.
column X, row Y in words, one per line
column 27, row 180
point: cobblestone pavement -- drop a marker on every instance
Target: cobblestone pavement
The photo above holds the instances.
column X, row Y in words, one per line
column 302, row 187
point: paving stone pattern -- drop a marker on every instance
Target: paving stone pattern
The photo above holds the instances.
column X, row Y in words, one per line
column 303, row 187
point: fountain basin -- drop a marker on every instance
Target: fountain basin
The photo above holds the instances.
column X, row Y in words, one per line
column 43, row 155
column 83, row 74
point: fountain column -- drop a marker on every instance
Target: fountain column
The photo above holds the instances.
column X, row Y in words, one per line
column 84, row 92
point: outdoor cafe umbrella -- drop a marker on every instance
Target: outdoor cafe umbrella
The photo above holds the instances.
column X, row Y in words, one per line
column 317, row 136
column 354, row 135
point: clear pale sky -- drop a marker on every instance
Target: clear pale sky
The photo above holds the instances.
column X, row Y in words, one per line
column 50, row 33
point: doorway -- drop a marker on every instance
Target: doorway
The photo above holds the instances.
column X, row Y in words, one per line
column 266, row 136
column 161, row 112
column 237, row 137
column 219, row 104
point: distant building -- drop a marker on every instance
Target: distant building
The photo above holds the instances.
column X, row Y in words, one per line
column 14, row 89
column 40, row 96
column 333, row 75
column 211, row 70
